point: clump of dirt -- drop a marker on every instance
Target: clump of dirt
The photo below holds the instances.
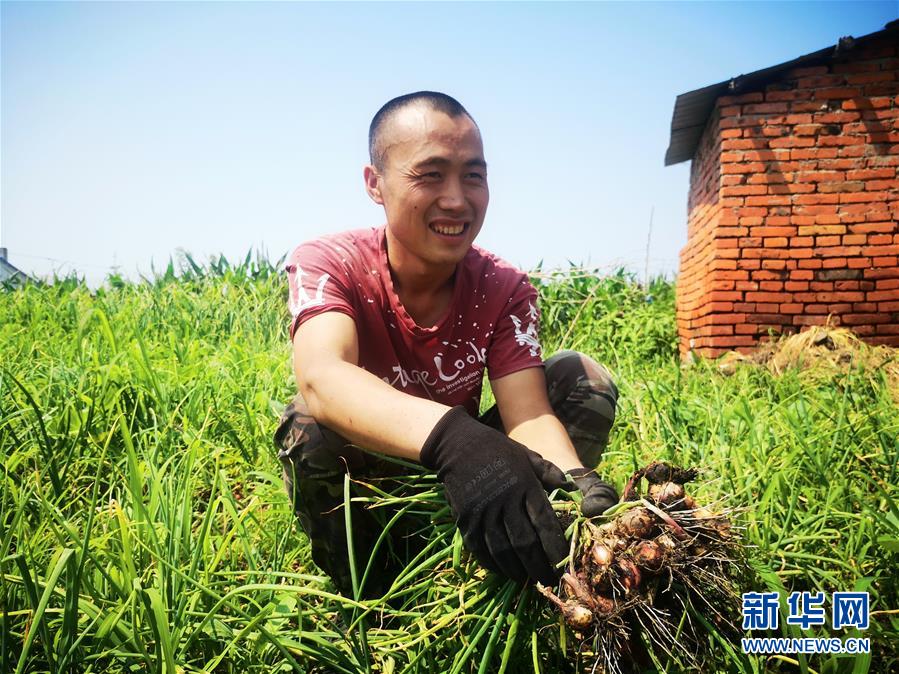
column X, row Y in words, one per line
column 654, row 575
column 820, row 352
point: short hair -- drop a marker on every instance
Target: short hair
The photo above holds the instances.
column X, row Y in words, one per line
column 433, row 99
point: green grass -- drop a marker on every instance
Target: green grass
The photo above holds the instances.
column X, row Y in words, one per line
column 144, row 525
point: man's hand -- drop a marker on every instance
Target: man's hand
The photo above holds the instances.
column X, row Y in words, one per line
column 495, row 487
column 598, row 497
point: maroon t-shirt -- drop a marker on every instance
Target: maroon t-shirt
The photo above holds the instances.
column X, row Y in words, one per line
column 491, row 322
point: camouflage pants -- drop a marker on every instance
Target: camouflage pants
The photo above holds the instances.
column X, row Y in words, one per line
column 315, row 460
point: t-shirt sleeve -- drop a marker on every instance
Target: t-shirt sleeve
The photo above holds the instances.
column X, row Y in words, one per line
column 316, row 283
column 515, row 344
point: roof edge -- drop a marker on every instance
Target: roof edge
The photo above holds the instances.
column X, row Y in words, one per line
column 693, row 108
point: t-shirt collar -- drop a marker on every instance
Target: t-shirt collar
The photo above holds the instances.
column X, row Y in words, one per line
column 394, row 300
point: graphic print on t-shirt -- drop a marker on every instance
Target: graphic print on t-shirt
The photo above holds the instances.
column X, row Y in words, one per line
column 299, row 298
column 529, row 336
column 452, row 374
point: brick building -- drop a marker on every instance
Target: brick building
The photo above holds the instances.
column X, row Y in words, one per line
column 794, row 198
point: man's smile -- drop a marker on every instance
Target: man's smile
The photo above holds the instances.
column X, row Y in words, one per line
column 448, row 227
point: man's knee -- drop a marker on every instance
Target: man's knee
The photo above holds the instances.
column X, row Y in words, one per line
column 571, row 373
column 314, row 459
column 584, row 397
column 294, row 428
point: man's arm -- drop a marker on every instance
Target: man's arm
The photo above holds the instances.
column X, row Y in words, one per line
column 358, row 405
column 529, row 419
column 494, row 485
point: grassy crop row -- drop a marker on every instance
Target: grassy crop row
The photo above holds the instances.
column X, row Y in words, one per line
column 144, row 525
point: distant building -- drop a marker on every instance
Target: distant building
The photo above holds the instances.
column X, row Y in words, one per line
column 9, row 273
column 793, row 213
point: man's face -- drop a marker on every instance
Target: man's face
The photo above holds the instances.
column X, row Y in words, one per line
column 433, row 185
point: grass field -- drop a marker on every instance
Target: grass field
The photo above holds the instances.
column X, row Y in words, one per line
column 144, row 525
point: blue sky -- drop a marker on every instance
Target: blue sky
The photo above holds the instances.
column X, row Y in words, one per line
column 132, row 130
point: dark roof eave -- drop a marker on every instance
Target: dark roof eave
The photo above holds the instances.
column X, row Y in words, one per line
column 693, row 108
column 10, row 271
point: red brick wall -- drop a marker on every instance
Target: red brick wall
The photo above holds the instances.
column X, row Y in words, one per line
column 699, row 313
column 794, row 209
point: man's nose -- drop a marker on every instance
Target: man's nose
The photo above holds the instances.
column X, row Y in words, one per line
column 452, row 197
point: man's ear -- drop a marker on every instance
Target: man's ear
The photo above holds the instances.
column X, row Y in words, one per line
column 373, row 183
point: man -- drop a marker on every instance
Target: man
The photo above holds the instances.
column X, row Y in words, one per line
column 392, row 330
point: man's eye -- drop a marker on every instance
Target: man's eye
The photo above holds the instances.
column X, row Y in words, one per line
column 476, row 176
column 432, row 175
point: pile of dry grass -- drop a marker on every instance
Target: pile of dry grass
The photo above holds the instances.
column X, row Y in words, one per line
column 820, row 352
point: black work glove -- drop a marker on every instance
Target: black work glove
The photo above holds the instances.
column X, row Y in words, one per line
column 495, row 487
column 598, row 497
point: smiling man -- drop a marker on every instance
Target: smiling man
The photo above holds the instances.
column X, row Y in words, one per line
column 393, row 328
